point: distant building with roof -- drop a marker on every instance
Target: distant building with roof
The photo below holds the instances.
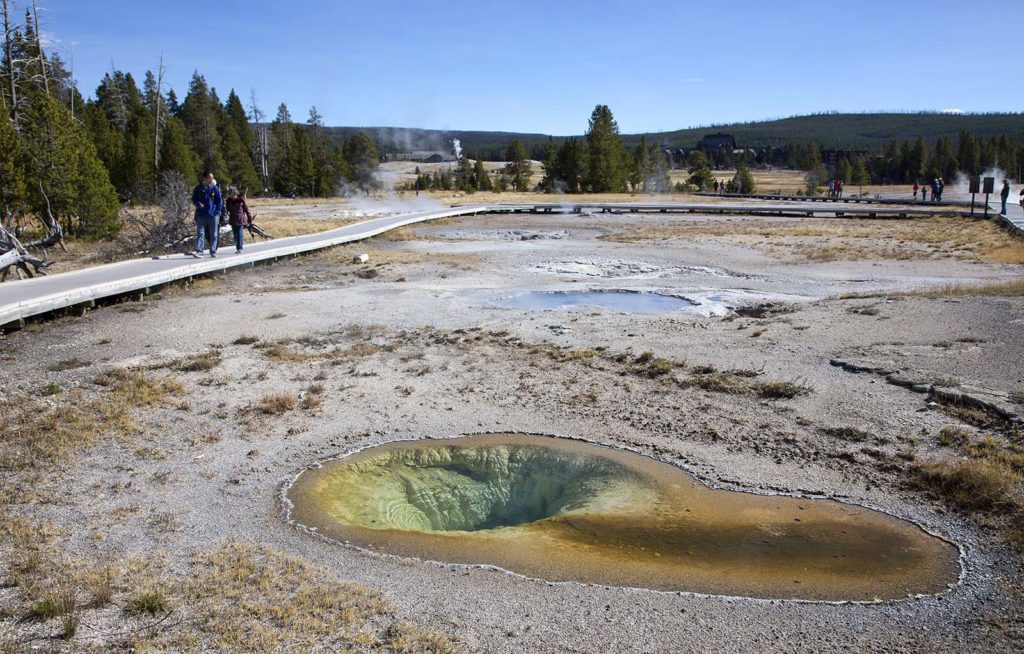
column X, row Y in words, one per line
column 717, row 143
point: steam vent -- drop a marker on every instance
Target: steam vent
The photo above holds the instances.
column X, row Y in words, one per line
column 564, row 510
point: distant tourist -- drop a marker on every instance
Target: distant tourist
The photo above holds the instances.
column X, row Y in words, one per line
column 239, row 216
column 1005, row 195
column 942, row 187
column 924, row 194
column 916, row 189
column 935, row 190
column 831, row 188
column 208, row 203
column 842, row 185
column 716, row 186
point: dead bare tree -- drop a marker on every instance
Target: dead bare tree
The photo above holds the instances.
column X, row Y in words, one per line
column 158, row 122
column 166, row 230
column 12, row 70
column 39, row 47
column 262, row 139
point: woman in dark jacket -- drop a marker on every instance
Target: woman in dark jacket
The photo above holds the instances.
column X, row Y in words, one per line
column 239, row 216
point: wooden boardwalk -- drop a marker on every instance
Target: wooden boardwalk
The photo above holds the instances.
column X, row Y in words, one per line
column 847, row 199
column 82, row 289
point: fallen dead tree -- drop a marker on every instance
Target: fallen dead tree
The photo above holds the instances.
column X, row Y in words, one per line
column 16, row 257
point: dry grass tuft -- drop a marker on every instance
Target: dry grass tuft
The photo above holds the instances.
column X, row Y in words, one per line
column 847, row 433
column 245, row 340
column 69, row 364
column 1012, row 288
column 200, row 362
column 151, row 600
column 135, row 388
column 250, row 598
column 99, row 583
column 781, row 390
column 648, row 365
column 36, row 434
column 401, row 234
column 276, row 403
column 953, row 436
column 281, row 353
column 972, row 485
column 236, row 598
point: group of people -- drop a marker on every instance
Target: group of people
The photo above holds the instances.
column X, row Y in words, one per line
column 937, row 186
column 212, row 210
column 835, row 188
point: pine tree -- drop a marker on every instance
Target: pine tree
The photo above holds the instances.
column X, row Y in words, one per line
column 73, row 182
column 328, row 166
column 860, row 175
column 969, row 153
column 363, row 160
column 13, row 189
column 240, row 170
column 549, row 181
column 483, row 181
column 700, row 171
column 239, row 119
column 280, row 139
column 199, row 114
column 606, row 172
column 743, row 182
column 518, row 168
column 173, row 106
column 175, row 153
column 571, row 164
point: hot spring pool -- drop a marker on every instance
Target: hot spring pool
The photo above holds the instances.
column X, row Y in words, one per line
column 566, row 510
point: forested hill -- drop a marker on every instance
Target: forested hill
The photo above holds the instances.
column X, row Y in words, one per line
column 868, row 131
column 864, row 131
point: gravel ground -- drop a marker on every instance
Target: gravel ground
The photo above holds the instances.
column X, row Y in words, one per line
column 412, row 344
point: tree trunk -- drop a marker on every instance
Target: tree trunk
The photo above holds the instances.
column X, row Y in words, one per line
column 9, row 52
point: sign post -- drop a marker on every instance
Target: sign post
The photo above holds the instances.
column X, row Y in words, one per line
column 989, row 188
column 975, row 188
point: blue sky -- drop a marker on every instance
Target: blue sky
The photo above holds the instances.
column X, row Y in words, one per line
column 532, row 66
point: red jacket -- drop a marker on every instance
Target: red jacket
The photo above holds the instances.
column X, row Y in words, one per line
column 238, row 212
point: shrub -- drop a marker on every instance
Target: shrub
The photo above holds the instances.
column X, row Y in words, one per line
column 276, row 403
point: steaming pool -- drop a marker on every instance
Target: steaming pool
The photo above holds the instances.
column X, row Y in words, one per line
column 567, row 510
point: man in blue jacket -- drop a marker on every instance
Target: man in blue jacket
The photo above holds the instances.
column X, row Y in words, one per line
column 208, row 203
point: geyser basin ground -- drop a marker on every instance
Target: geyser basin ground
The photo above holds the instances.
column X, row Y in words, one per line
column 566, row 510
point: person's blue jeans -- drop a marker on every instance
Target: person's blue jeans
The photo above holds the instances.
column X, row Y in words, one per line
column 239, row 233
column 207, row 231
column 1004, row 207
